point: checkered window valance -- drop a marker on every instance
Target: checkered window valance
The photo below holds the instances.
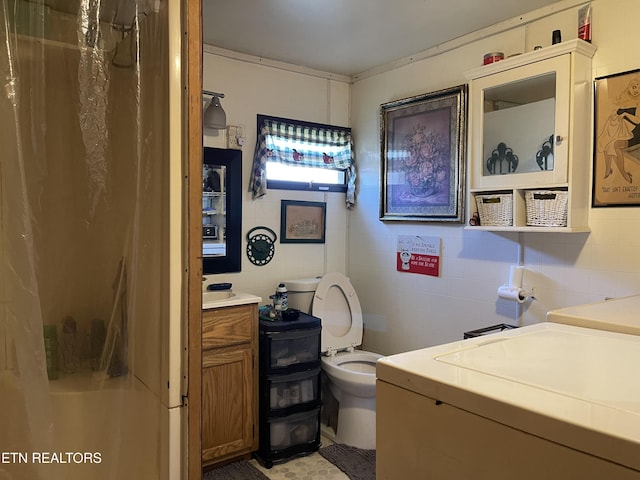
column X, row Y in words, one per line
column 293, row 142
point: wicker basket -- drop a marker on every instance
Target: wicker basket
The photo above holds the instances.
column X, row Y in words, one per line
column 547, row 208
column 495, row 209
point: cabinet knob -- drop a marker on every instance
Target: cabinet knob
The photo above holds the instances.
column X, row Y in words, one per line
column 559, row 139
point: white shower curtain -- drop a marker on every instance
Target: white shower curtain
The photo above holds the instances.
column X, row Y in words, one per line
column 83, row 237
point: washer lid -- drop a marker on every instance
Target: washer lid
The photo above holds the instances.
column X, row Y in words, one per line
column 337, row 305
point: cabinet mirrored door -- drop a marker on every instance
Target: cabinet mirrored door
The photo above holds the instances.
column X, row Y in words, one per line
column 221, row 210
column 519, row 126
column 521, row 129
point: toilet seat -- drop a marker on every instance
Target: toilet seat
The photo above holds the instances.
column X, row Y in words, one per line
column 337, row 305
column 359, row 361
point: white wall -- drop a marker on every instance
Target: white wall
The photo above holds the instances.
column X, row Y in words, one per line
column 407, row 311
column 252, row 89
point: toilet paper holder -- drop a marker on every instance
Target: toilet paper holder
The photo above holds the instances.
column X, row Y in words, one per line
column 514, row 290
column 519, row 295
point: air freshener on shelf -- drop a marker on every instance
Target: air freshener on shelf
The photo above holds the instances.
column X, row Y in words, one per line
column 584, row 23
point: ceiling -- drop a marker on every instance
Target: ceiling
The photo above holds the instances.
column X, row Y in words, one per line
column 348, row 37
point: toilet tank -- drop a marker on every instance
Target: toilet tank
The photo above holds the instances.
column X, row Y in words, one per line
column 301, row 292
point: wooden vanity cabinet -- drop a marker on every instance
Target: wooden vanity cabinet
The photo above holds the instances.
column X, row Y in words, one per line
column 229, row 382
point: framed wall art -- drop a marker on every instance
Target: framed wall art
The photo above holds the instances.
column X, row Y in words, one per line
column 616, row 151
column 302, row 222
column 422, row 157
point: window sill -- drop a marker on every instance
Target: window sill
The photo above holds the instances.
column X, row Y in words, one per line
column 309, row 187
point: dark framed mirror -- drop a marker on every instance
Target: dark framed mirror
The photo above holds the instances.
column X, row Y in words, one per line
column 221, row 210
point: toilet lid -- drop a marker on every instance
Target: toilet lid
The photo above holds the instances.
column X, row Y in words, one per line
column 337, row 305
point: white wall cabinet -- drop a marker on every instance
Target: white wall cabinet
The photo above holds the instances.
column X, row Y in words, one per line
column 530, row 134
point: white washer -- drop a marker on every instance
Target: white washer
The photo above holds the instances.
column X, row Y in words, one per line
column 544, row 401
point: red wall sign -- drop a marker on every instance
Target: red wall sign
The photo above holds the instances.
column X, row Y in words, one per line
column 418, row 254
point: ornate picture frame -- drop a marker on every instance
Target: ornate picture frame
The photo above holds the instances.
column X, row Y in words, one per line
column 616, row 137
column 422, row 157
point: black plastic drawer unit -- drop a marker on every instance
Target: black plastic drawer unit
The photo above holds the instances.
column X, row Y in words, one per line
column 289, row 389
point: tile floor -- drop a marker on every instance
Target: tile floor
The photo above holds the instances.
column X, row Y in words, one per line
column 311, row 467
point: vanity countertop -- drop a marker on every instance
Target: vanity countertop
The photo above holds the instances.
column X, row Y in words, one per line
column 236, row 298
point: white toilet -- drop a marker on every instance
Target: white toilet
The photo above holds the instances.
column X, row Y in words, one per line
column 351, row 372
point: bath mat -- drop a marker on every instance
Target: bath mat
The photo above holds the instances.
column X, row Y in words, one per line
column 242, row 470
column 356, row 463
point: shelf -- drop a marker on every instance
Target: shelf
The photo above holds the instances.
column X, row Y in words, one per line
column 40, row 24
column 105, row 45
column 545, row 186
column 86, row 380
column 491, row 228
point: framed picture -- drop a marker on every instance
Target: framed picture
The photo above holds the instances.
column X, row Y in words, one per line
column 616, row 151
column 302, row 222
column 422, row 157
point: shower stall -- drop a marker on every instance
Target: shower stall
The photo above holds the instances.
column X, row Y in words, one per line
column 91, row 256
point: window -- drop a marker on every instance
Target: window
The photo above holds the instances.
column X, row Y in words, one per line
column 291, row 154
column 293, row 177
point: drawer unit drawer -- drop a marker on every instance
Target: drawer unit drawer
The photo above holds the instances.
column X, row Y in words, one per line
column 287, row 394
column 294, row 350
column 299, row 430
column 228, row 326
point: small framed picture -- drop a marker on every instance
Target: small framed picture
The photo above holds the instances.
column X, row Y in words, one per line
column 302, row 222
column 616, row 151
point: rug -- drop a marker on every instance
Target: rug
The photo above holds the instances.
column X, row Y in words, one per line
column 242, row 470
column 356, row 463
